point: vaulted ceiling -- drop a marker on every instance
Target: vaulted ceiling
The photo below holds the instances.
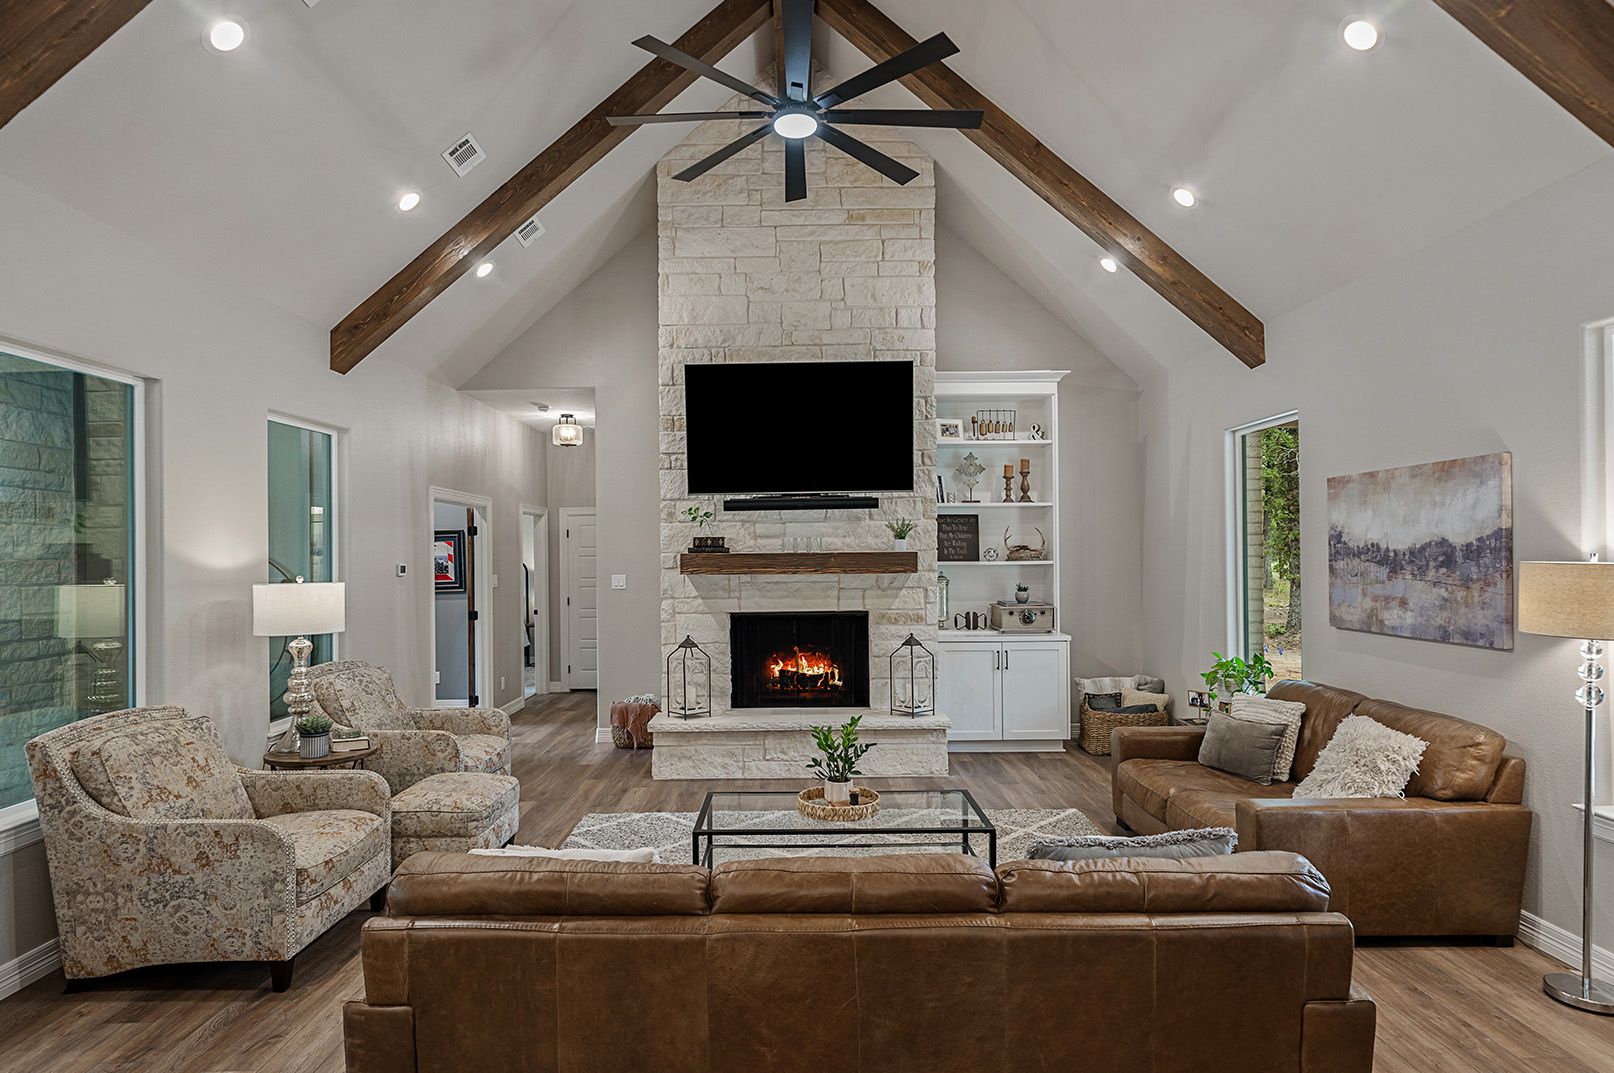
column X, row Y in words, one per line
column 279, row 166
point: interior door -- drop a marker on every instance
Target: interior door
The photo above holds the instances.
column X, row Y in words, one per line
column 471, row 611
column 967, row 690
column 578, row 536
column 1033, row 705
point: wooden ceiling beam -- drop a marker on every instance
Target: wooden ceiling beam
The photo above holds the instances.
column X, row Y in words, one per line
column 1566, row 47
column 534, row 186
column 1056, row 182
column 42, row 40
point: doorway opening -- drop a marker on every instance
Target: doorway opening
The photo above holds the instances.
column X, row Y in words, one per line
column 535, row 616
column 461, row 598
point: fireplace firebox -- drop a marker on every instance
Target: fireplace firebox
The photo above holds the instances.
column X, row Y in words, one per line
column 808, row 659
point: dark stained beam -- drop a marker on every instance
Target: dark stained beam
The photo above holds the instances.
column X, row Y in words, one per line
column 1566, row 47
column 42, row 40
column 534, row 186
column 1056, row 182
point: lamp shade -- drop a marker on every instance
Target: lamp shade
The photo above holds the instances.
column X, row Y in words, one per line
column 90, row 611
column 299, row 609
column 1567, row 600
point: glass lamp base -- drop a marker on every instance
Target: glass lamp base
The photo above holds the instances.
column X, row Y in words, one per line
column 1574, row 990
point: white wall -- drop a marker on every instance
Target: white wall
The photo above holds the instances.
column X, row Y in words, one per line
column 1471, row 346
column 570, row 472
column 221, row 361
column 984, row 320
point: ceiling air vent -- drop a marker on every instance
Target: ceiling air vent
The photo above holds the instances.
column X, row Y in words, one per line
column 464, row 155
column 530, row 232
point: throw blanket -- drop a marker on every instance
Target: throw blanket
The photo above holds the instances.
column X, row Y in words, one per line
column 634, row 716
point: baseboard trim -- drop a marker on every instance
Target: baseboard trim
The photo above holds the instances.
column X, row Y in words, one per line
column 602, row 735
column 1563, row 944
column 557, row 687
column 514, row 706
column 36, row 964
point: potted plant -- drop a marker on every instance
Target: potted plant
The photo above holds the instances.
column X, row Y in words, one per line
column 901, row 529
column 1231, row 675
column 1022, row 594
column 836, row 767
column 700, row 518
column 313, row 737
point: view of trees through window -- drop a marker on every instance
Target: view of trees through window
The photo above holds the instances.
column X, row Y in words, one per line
column 1270, row 533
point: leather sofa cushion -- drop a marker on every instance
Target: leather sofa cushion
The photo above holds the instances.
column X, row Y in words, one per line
column 1462, row 759
column 1151, row 783
column 1243, row 883
column 329, row 846
column 1216, row 808
column 459, row 884
column 1326, row 708
column 898, row 883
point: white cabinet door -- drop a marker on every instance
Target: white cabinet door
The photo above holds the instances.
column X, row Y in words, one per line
column 1035, row 690
column 967, row 690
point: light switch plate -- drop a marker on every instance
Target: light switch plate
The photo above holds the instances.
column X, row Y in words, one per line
column 619, row 581
column 495, row 580
column 402, row 569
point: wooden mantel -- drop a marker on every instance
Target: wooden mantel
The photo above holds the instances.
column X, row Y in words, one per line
column 820, row 562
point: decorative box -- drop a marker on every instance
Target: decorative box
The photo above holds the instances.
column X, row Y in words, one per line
column 1011, row 617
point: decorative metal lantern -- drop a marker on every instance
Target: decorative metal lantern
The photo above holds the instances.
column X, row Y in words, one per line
column 689, row 681
column 913, row 679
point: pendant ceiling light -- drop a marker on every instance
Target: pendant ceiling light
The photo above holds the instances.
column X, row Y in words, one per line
column 568, row 433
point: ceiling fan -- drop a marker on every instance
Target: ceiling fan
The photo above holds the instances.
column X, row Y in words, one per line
column 799, row 115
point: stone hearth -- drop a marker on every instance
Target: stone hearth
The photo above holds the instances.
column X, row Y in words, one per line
column 777, row 745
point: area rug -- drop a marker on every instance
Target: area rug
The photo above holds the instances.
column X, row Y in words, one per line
column 669, row 834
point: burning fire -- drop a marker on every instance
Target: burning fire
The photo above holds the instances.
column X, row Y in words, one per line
column 800, row 670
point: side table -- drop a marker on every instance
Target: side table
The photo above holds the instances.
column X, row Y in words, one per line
column 353, row 759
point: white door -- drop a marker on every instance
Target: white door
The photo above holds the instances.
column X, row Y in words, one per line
column 582, row 618
column 967, row 690
column 1033, row 682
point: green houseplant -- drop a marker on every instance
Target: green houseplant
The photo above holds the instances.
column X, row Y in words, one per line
column 841, row 751
column 700, row 517
column 901, row 529
column 1232, row 675
column 313, row 737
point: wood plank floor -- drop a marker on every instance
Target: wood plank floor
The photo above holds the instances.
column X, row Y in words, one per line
column 1443, row 1008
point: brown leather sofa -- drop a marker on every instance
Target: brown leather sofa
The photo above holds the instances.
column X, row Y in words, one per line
column 921, row 963
column 1447, row 860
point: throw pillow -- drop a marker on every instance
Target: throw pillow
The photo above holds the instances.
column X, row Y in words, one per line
column 172, row 771
column 1131, row 697
column 1102, row 702
column 1172, row 845
column 633, row 856
column 1364, row 759
column 1248, row 750
column 1253, row 709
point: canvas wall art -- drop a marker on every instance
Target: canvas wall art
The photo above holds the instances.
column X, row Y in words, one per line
column 1424, row 551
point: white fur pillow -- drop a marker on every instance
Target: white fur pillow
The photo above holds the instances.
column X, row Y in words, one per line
column 1364, row 759
column 635, row 856
column 1253, row 709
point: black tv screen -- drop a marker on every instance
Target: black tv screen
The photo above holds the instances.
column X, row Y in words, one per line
column 799, row 426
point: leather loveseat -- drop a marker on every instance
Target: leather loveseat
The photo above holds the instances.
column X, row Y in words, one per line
column 1448, row 859
column 929, row 963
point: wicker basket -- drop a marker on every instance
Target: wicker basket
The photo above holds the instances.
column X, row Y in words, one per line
column 1096, row 726
column 810, row 803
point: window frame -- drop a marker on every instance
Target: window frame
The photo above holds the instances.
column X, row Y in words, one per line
column 19, row 823
column 278, row 727
column 1238, row 597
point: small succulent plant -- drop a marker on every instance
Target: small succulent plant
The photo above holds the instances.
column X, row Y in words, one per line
column 312, row 726
column 901, row 527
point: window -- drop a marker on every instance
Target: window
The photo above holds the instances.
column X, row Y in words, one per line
column 302, row 530
column 69, row 569
column 1265, row 567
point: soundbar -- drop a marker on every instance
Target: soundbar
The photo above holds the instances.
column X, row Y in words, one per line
column 803, row 502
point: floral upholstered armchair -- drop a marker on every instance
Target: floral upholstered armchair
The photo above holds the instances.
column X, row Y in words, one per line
column 415, row 742
column 162, row 851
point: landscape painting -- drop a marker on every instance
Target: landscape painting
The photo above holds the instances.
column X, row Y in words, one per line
column 1424, row 551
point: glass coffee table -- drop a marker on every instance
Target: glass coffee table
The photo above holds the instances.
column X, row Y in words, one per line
column 744, row 821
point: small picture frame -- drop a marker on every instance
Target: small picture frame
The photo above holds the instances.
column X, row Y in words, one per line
column 448, row 560
column 949, row 428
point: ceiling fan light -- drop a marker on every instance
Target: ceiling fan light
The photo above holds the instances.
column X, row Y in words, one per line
column 795, row 125
column 567, row 433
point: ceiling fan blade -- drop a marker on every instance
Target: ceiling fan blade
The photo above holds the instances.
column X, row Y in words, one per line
column 795, row 169
column 923, row 54
column 797, row 19
column 962, row 118
column 680, row 117
column 895, row 170
column 701, row 167
column 705, row 70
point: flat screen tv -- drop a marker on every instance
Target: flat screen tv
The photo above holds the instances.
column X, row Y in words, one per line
column 776, row 428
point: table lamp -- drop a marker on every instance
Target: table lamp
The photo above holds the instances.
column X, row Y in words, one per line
column 95, row 616
column 297, row 609
column 1576, row 600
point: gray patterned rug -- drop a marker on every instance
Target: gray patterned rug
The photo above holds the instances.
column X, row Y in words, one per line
column 669, row 834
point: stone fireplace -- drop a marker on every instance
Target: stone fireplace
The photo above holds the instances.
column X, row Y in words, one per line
column 793, row 659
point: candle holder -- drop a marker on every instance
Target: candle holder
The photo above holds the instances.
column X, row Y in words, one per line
column 689, row 681
column 1025, row 480
column 1008, row 485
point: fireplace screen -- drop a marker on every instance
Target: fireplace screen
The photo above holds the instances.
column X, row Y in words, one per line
column 817, row 659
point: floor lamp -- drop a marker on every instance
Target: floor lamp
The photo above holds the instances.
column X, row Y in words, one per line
column 1576, row 600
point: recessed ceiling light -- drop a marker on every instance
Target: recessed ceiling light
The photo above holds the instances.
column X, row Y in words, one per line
column 1361, row 35
column 483, row 269
column 408, row 201
column 795, row 125
column 1185, row 197
column 226, row 35
column 1108, row 264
